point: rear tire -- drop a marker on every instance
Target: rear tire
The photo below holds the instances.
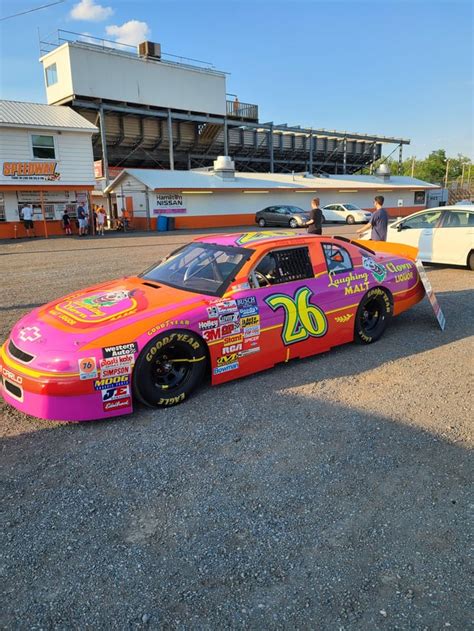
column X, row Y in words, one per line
column 470, row 260
column 169, row 368
column 373, row 315
column 350, row 220
column 262, row 223
column 293, row 223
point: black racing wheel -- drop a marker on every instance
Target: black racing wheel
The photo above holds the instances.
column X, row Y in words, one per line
column 374, row 312
column 169, row 368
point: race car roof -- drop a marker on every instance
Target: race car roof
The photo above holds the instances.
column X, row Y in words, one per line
column 248, row 239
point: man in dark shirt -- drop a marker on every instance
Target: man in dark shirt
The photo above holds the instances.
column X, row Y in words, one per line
column 378, row 221
column 315, row 222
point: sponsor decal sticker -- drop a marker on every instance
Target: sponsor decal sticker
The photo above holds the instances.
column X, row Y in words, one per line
column 378, row 271
column 120, row 349
column 166, row 325
column 352, row 283
column 227, row 368
column 87, row 368
column 112, row 394
column 227, row 359
column 110, row 382
column 30, row 334
column 249, row 351
column 228, row 318
column 208, row 324
column 112, row 406
column 233, row 348
column 343, row 318
column 233, row 339
column 220, row 332
column 121, row 365
column 251, row 331
column 253, row 320
column 248, row 311
column 248, row 301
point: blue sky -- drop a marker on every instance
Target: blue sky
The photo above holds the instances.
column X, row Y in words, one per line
column 396, row 67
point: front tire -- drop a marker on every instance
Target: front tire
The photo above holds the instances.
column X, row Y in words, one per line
column 470, row 260
column 293, row 223
column 170, row 368
column 350, row 220
column 262, row 223
column 373, row 315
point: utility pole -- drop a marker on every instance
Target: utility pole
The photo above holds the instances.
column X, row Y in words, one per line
column 446, row 174
column 413, row 166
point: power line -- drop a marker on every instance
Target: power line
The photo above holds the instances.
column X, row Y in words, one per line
column 44, row 6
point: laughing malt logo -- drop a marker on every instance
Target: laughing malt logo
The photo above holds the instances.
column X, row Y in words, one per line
column 99, row 307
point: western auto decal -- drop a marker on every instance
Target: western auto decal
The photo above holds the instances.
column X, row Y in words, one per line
column 120, row 349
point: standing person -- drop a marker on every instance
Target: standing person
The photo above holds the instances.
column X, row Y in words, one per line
column 315, row 222
column 100, row 219
column 236, row 106
column 67, row 222
column 27, row 215
column 81, row 216
column 378, row 221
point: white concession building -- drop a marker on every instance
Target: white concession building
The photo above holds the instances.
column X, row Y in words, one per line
column 219, row 197
column 45, row 161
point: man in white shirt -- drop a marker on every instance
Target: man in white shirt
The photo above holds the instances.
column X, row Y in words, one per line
column 27, row 214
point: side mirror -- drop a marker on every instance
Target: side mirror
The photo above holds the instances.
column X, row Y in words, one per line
column 400, row 227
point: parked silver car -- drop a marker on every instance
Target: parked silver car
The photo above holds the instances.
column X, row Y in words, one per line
column 291, row 216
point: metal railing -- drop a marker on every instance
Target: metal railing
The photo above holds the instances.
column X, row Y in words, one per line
column 247, row 111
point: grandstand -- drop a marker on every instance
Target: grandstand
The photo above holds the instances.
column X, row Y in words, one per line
column 160, row 111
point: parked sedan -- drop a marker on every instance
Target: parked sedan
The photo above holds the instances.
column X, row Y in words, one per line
column 442, row 235
column 346, row 213
column 291, row 216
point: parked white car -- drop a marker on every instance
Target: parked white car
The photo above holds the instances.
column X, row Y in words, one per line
column 345, row 213
column 442, row 235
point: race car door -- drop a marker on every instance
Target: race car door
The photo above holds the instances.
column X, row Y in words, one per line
column 280, row 314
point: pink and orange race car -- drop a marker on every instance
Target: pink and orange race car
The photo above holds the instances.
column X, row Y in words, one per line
column 224, row 305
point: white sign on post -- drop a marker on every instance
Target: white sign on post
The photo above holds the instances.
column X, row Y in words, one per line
column 431, row 295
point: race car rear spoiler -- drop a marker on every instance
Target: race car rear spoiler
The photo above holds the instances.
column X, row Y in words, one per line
column 390, row 248
column 382, row 246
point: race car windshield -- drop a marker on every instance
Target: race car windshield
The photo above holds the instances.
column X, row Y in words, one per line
column 200, row 267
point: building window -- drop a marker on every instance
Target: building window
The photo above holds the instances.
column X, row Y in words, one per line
column 2, row 207
column 43, row 147
column 51, row 75
column 420, row 197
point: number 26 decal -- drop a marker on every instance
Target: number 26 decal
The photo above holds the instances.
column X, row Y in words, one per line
column 302, row 319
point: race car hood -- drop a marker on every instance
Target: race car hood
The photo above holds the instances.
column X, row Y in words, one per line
column 106, row 314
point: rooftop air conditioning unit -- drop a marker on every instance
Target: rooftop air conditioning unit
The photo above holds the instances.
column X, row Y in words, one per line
column 224, row 167
column 149, row 49
column 383, row 172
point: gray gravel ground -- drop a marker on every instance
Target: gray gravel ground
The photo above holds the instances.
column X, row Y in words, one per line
column 330, row 493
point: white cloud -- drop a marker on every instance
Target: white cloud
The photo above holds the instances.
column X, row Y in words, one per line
column 87, row 10
column 132, row 32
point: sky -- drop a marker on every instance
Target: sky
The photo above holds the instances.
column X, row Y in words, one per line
column 400, row 68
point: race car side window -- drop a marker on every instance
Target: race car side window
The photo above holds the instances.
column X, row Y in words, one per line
column 337, row 258
column 282, row 266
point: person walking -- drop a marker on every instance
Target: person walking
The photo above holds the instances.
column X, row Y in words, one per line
column 67, row 222
column 315, row 222
column 378, row 221
column 27, row 215
column 81, row 216
column 100, row 218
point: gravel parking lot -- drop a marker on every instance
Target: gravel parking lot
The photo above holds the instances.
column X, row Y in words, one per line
column 329, row 493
